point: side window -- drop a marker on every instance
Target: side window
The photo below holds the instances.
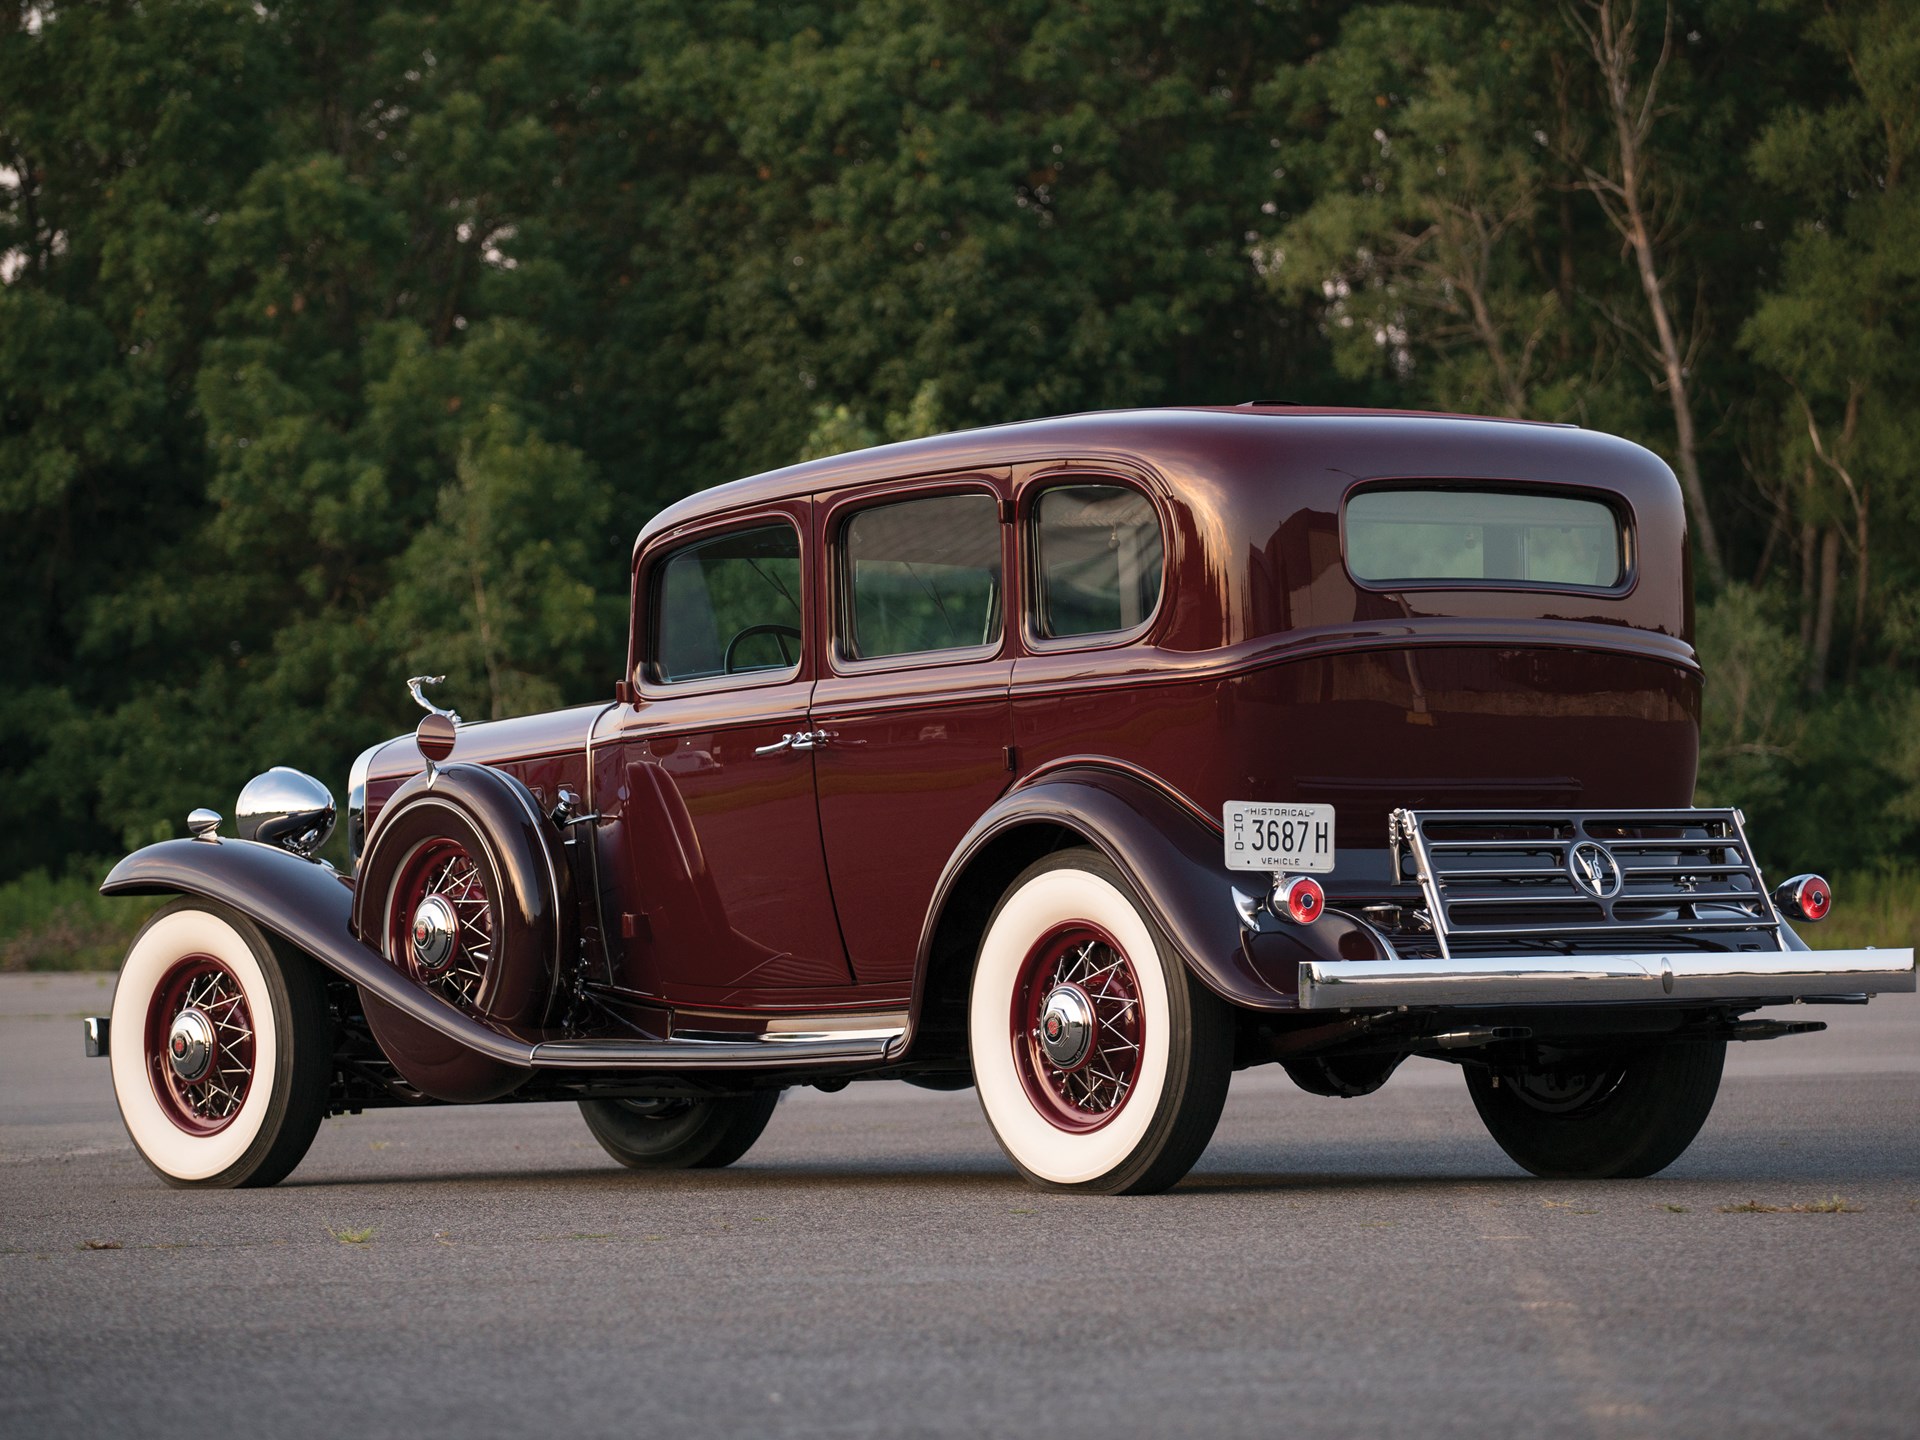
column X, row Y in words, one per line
column 1097, row 553
column 728, row 606
column 923, row 575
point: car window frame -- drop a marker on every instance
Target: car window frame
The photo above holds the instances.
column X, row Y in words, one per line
column 1616, row 503
column 651, row 565
column 841, row 509
column 1027, row 530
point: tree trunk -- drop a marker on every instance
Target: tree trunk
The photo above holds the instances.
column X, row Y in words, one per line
column 1566, row 282
column 1610, row 38
column 1860, row 536
column 1809, row 569
column 1823, row 618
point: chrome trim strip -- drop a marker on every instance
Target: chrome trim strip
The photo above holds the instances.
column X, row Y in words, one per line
column 1572, row 979
column 357, row 803
column 678, row 1055
column 778, row 1038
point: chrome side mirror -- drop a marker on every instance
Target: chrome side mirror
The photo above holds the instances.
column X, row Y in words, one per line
column 287, row 808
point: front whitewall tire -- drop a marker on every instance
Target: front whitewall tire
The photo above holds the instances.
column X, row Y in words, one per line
column 285, row 1097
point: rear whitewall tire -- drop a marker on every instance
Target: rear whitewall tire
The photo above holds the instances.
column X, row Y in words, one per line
column 1174, row 1100
column 286, row 1093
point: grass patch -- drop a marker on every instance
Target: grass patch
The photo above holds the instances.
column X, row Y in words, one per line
column 352, row 1235
column 65, row 923
column 1832, row 1205
column 1870, row 907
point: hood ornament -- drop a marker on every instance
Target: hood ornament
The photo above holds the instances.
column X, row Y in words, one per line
column 413, row 689
column 435, row 736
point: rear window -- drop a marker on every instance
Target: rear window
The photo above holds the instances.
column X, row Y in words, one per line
column 1483, row 534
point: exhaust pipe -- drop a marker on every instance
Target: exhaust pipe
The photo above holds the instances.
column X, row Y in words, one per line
column 1474, row 1036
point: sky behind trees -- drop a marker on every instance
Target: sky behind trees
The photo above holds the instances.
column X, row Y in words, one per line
column 340, row 341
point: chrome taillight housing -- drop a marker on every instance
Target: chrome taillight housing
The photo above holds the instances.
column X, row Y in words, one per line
column 1298, row 898
column 1804, row 897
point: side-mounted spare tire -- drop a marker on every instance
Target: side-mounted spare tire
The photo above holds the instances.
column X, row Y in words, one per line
column 464, row 889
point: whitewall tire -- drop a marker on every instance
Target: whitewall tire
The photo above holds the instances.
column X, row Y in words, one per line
column 1101, row 1062
column 221, row 1049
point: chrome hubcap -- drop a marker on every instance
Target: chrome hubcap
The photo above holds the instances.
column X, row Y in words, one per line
column 1066, row 1026
column 434, row 929
column 190, row 1045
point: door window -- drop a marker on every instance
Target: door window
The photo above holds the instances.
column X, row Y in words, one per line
column 729, row 606
column 1097, row 555
column 922, row 576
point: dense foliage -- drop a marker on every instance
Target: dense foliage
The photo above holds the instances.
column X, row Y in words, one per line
column 341, row 341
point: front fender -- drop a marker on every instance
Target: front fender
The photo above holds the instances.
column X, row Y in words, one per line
column 308, row 905
column 1174, row 858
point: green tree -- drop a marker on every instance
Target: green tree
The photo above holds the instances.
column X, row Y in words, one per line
column 1427, row 186
column 1837, row 332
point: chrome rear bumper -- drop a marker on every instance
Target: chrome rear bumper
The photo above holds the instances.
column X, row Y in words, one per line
column 1562, row 979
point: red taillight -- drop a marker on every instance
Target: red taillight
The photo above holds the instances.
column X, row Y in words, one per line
column 1299, row 899
column 1805, row 897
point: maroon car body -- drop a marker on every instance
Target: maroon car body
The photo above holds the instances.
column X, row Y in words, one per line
column 730, row 877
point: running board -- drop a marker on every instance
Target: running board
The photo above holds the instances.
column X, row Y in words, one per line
column 310, row 906
column 655, row 1056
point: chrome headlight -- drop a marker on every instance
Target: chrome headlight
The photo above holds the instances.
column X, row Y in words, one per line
column 287, row 808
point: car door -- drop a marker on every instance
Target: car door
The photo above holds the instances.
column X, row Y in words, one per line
column 717, row 855
column 911, row 707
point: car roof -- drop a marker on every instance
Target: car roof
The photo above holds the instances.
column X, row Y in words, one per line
column 1139, row 434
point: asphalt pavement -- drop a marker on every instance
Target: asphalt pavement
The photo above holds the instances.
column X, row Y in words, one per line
column 874, row 1268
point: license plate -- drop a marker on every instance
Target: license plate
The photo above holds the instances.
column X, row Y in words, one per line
column 1278, row 837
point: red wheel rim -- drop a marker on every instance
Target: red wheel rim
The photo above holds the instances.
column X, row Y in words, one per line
column 443, row 873
column 197, row 1009
column 1075, row 964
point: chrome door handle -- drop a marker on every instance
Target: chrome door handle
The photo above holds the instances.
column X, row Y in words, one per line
column 799, row 740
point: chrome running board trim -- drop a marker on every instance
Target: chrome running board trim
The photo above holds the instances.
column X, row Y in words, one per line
column 677, row 1055
column 1572, row 979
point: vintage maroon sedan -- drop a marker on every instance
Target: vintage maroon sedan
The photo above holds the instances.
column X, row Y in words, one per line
column 1083, row 761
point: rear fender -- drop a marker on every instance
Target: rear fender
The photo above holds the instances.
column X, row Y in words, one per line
column 1173, row 856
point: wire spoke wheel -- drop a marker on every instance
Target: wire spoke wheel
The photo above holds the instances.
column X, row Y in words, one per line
column 199, row 1045
column 1078, row 1027
column 440, row 922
